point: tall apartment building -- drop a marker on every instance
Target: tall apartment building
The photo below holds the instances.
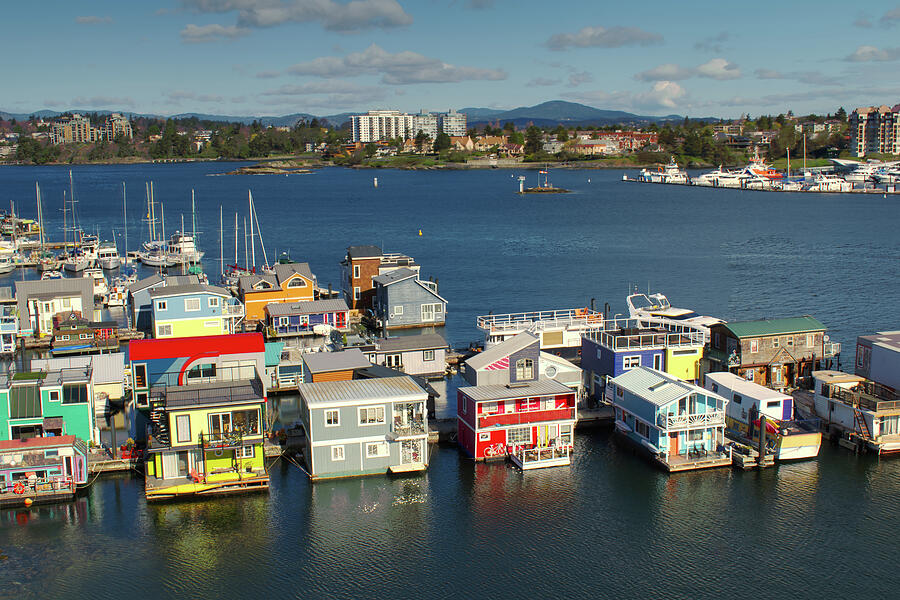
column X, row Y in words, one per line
column 116, row 125
column 453, row 123
column 875, row 129
column 73, row 129
column 427, row 123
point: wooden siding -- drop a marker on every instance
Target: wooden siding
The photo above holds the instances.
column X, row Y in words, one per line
column 411, row 296
column 333, row 376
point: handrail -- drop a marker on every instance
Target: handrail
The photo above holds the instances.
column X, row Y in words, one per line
column 715, row 417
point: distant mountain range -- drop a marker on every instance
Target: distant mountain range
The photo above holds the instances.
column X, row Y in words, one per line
column 546, row 114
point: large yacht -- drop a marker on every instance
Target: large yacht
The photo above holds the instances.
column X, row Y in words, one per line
column 669, row 173
column 721, row 178
column 108, row 256
column 182, row 249
column 655, row 308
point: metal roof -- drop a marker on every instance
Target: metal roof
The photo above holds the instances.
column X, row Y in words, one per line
column 284, row 270
column 364, row 252
column 214, row 393
column 144, row 283
column 763, row 327
column 501, row 350
column 743, row 387
column 543, row 387
column 394, row 276
column 885, row 339
column 657, row 387
column 281, row 309
column 273, row 353
column 192, row 288
column 360, row 391
column 425, row 341
column 837, row 377
column 325, row 362
column 84, row 286
column 107, row 368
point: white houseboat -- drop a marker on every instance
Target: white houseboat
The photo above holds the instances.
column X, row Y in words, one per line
column 560, row 331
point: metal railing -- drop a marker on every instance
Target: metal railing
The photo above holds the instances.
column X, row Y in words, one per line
column 545, row 318
column 233, row 310
column 414, row 427
column 541, row 454
column 716, row 417
column 867, row 394
column 635, row 334
column 38, row 486
column 831, row 349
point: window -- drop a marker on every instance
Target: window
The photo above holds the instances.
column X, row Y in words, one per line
column 219, row 424
column 164, row 330
column 749, row 375
column 140, row 376
column 524, row 369
column 84, row 336
column 776, row 374
column 245, row 452
column 371, row 415
column 393, row 360
column 245, row 421
column 398, row 310
column 790, row 341
column 64, row 338
column 489, row 408
column 773, row 404
column 54, row 395
column 696, row 435
column 657, row 362
column 642, row 428
column 356, row 293
column 754, row 346
column 715, row 388
column 66, row 302
column 737, row 399
column 161, row 305
column 518, row 436
column 183, row 428
column 214, row 301
column 202, row 372
column 631, row 362
column 337, row 453
column 191, row 304
column 297, row 282
column 620, row 392
column 75, row 394
column 24, row 402
column 355, row 271
column 428, row 355
column 810, row 340
column 776, row 343
column 377, row 450
column 717, row 340
column 332, row 418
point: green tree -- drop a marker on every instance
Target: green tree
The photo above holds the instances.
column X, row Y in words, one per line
column 533, row 142
column 442, row 142
column 841, row 114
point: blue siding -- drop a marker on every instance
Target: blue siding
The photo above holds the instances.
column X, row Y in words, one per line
column 533, row 352
column 411, row 296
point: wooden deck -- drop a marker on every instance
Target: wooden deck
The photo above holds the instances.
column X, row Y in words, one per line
column 225, row 483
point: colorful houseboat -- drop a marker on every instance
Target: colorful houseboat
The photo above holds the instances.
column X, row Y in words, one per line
column 790, row 438
column 41, row 469
column 680, row 425
column 359, row 268
column 560, row 331
column 423, row 355
column 194, row 310
column 315, row 317
column 403, row 301
column 289, row 282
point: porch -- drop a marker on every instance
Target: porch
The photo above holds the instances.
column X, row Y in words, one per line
column 40, row 491
column 541, row 457
column 231, row 481
column 694, row 460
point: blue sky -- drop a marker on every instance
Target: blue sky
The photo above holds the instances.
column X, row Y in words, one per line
column 273, row 57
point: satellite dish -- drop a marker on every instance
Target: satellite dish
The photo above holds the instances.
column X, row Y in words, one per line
column 826, row 338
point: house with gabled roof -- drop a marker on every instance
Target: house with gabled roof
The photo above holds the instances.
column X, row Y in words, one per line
column 290, row 282
column 194, row 310
column 361, row 265
column 422, row 355
column 402, row 300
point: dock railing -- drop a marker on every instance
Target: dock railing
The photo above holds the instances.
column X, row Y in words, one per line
column 542, row 319
column 687, row 421
column 540, row 454
column 635, row 334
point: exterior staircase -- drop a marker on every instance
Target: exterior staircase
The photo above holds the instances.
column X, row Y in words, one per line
column 159, row 423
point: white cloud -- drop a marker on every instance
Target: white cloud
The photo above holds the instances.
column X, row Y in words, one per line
column 92, row 20
column 809, row 77
column 873, row 54
column 397, row 69
column 199, row 34
column 579, row 77
column 602, row 37
column 665, row 95
column 543, row 82
column 100, row 101
column 355, row 15
column 177, row 96
column 717, row 68
column 891, row 17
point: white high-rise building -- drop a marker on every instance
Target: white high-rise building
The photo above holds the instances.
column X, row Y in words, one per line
column 427, row 123
column 875, row 129
column 453, row 123
column 381, row 125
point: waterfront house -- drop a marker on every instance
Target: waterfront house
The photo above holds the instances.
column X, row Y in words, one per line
column 290, row 282
column 194, row 310
column 140, row 303
column 421, row 355
column 59, row 401
column 333, row 366
column 404, row 301
column 361, row 265
column 39, row 301
column 679, row 424
column 462, row 143
column 878, row 358
column 9, row 328
column 364, row 426
column 107, row 376
column 619, row 345
column 292, row 319
column 865, row 412
column 74, row 334
column 173, row 362
column 748, row 402
column 41, row 469
column 770, row 352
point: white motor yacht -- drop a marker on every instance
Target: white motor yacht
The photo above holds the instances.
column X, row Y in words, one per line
column 182, row 249
column 108, row 256
column 100, row 286
column 669, row 173
column 7, row 264
column 655, row 308
column 77, row 261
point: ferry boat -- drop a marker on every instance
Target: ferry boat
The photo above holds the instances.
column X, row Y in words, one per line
column 108, row 256
column 560, row 330
column 748, row 402
column 669, row 173
column 655, row 308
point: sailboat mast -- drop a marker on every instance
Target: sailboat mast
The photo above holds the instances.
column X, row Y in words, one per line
column 259, row 232
column 162, row 221
column 37, row 193
column 65, row 226
column 152, row 215
column 193, row 218
column 235, row 239
column 221, row 244
column 246, row 254
column 125, row 219
column 252, row 237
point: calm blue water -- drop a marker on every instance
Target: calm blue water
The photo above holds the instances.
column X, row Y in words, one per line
column 609, row 526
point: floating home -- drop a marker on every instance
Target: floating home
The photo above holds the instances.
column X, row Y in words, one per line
column 681, row 426
column 560, row 330
column 140, row 304
column 423, row 355
column 300, row 319
column 364, row 427
column 74, row 334
column 878, row 358
column 789, row 438
column 290, row 282
column 38, row 302
column 359, row 268
column 41, row 469
column 9, row 328
column 403, row 301
column 771, row 352
column 194, row 310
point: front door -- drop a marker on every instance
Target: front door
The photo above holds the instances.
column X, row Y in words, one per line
column 673, row 443
column 67, row 466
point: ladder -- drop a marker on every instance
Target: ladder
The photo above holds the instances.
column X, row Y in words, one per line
column 860, row 420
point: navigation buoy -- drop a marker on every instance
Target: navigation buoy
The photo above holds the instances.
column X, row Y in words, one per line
column 375, row 181
column 420, row 232
column 28, row 502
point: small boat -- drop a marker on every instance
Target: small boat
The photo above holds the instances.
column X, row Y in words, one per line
column 182, row 249
column 52, row 275
column 108, row 256
column 155, row 258
column 7, row 264
column 100, row 286
column 828, row 183
column 77, row 261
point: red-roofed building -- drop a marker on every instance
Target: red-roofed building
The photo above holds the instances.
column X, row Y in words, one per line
column 41, row 469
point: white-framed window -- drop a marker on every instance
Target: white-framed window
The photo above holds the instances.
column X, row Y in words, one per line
column 427, row 355
column 776, row 343
column 213, row 301
column 337, row 453
column 484, row 437
column 211, row 324
column 297, row 282
column 398, row 310
column 754, row 346
column 371, row 415
column 810, row 340
column 164, row 330
column 776, row 374
column 642, row 428
column 84, row 336
column 356, row 293
column 244, row 452
column 355, row 271
column 54, row 395
column 518, row 436
column 183, row 429
column 66, row 302
column 631, row 362
column 191, row 304
column 161, row 305
column 790, row 341
column 393, row 360
column 64, row 338
column 695, row 435
column 377, row 450
column 524, row 369
column 332, row 417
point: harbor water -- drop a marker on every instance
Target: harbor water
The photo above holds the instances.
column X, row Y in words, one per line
column 609, row 526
